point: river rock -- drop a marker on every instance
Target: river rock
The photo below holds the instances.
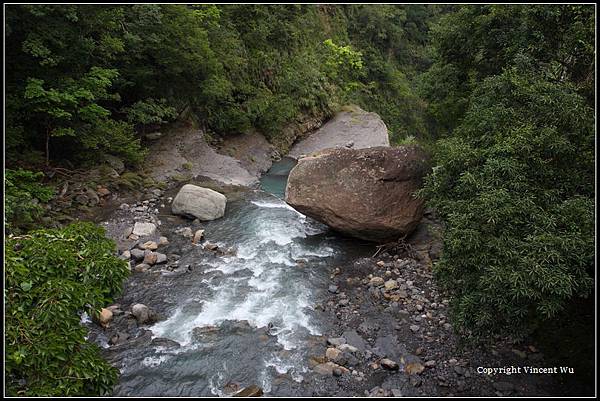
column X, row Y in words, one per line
column 160, row 258
column 391, row 285
column 137, row 254
column 142, row 267
column 389, row 364
column 105, row 316
column 333, row 354
column 151, row 245
column 350, row 128
column 198, row 236
column 250, row 391
column 329, row 368
column 150, row 257
column 142, row 313
column 377, row 281
column 371, row 194
column 185, row 232
column 143, row 229
column 202, row 203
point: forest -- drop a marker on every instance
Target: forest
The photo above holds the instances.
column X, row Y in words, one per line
column 502, row 98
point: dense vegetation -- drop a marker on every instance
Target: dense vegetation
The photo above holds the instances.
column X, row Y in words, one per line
column 515, row 169
column 87, row 80
column 503, row 96
column 51, row 277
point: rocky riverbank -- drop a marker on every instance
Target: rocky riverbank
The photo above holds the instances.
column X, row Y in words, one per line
column 392, row 337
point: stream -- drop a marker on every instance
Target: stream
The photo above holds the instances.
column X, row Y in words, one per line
column 240, row 319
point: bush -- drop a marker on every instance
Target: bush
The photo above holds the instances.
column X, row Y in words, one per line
column 51, row 277
column 23, row 196
column 515, row 184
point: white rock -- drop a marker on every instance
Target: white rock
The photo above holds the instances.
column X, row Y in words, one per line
column 144, row 229
column 202, row 203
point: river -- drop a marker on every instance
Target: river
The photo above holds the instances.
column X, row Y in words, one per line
column 246, row 318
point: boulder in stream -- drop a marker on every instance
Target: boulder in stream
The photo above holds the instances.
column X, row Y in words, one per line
column 365, row 193
column 201, row 203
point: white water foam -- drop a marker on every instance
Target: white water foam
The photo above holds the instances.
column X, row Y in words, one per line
column 274, row 295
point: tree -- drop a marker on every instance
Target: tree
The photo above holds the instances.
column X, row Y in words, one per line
column 515, row 185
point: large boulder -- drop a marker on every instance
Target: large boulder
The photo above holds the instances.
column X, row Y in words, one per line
column 201, row 203
column 366, row 193
column 350, row 128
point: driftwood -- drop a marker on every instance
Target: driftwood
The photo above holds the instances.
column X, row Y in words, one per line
column 396, row 247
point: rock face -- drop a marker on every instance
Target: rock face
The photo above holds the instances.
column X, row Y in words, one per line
column 353, row 128
column 201, row 203
column 365, row 193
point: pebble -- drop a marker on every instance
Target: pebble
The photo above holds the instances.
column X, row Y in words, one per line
column 151, row 245
column 142, row 267
column 414, row 328
column 389, row 364
column 377, row 281
column 391, row 285
column 150, row 257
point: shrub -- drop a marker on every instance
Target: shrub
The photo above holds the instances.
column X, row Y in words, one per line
column 515, row 184
column 24, row 192
column 51, row 277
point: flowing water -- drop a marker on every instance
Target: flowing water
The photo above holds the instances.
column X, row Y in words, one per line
column 245, row 318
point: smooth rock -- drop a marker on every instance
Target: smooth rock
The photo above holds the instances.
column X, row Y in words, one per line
column 333, row 354
column 151, row 245
column 105, row 316
column 160, row 258
column 137, row 254
column 142, row 313
column 142, row 267
column 150, row 257
column 201, row 203
column 143, row 229
column 352, row 127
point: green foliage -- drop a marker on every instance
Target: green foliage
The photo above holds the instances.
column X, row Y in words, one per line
column 51, row 277
column 150, row 111
column 23, row 195
column 81, row 73
column 515, row 184
column 478, row 41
